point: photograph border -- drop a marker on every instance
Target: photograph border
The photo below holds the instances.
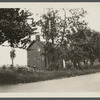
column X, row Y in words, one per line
column 50, row 98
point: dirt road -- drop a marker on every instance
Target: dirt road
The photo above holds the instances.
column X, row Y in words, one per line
column 84, row 83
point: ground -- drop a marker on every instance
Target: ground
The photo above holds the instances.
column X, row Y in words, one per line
column 83, row 83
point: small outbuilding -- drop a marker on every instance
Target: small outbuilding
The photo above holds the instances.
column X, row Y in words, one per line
column 36, row 57
column 35, row 54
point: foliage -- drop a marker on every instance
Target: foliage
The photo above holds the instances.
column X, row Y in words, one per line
column 14, row 26
column 67, row 38
column 71, row 39
column 25, row 75
column 49, row 23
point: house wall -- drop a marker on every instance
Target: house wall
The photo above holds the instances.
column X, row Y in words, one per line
column 35, row 57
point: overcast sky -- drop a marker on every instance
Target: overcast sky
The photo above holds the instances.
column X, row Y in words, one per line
column 92, row 17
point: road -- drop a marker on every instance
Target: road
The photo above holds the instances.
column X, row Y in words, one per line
column 83, row 83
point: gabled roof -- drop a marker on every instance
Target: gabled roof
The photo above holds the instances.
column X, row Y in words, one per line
column 31, row 44
column 40, row 43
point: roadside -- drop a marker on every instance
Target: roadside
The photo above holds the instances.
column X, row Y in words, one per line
column 25, row 75
column 79, row 84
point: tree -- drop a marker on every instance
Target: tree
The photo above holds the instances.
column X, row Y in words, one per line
column 67, row 34
column 74, row 36
column 49, row 25
column 12, row 56
column 49, row 22
column 69, row 38
column 62, row 40
column 15, row 29
column 94, row 47
column 14, row 26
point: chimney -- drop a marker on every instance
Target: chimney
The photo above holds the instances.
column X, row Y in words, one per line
column 37, row 37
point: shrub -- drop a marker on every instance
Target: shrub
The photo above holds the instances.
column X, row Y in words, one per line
column 11, row 75
column 7, row 76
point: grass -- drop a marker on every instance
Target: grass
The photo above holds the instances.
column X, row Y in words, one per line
column 26, row 75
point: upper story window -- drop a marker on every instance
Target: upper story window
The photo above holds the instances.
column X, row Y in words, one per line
column 39, row 49
column 42, row 58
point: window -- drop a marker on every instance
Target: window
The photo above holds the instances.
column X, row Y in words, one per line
column 39, row 49
column 42, row 58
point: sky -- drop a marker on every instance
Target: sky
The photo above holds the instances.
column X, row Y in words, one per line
column 92, row 17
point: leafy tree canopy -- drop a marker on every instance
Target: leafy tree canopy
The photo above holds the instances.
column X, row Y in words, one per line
column 14, row 26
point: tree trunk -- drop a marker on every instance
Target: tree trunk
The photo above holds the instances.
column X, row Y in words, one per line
column 52, row 40
column 64, row 64
column 46, row 62
column 75, row 64
column 92, row 63
column 12, row 62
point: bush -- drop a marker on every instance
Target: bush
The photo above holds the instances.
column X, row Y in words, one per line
column 12, row 75
column 7, row 76
column 25, row 70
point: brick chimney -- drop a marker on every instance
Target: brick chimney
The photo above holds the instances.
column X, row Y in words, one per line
column 37, row 37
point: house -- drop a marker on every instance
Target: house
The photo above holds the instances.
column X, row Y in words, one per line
column 35, row 57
